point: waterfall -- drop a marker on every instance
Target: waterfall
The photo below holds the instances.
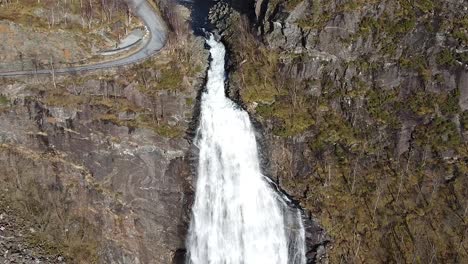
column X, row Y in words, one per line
column 238, row 217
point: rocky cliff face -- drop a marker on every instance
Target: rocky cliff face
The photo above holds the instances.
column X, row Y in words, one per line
column 364, row 111
column 98, row 164
column 124, row 189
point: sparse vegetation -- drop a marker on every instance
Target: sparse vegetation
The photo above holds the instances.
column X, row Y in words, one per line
column 417, row 63
column 4, row 100
column 168, row 131
column 445, row 58
column 46, row 210
column 47, row 14
column 66, row 206
column 70, row 32
column 383, row 165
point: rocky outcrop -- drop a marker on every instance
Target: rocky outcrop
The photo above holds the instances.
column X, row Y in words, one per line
column 101, row 163
column 463, row 86
column 362, row 105
column 14, row 246
column 131, row 184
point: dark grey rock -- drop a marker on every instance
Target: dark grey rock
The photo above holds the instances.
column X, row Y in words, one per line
column 463, row 86
column 299, row 12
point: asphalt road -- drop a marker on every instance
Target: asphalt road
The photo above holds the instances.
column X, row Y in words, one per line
column 157, row 39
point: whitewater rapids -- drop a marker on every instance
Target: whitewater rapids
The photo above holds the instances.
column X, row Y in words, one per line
column 237, row 217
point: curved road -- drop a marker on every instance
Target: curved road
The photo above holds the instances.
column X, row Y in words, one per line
column 157, row 39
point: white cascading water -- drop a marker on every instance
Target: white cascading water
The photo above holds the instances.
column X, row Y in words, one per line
column 237, row 217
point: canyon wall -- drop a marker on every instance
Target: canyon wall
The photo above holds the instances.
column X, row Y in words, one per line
column 364, row 111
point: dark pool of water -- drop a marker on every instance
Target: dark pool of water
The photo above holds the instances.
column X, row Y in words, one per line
column 200, row 9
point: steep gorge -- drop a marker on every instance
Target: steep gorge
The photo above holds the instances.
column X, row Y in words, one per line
column 362, row 113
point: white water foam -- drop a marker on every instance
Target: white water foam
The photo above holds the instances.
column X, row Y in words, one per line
column 237, row 217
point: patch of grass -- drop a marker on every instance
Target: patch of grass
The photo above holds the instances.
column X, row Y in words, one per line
column 368, row 25
column 439, row 78
column 168, row 131
column 383, row 105
column 170, row 79
column 445, row 58
column 463, row 57
column 400, row 27
column 189, row 101
column 440, row 134
column 421, row 103
column 461, row 34
column 64, row 100
column 425, row 5
column 448, row 103
column 112, row 118
column 169, row 70
column 160, row 127
column 389, row 48
column 334, row 130
column 292, row 121
column 425, row 103
column 350, row 6
column 261, row 93
column 259, row 77
column 4, row 100
column 417, row 63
